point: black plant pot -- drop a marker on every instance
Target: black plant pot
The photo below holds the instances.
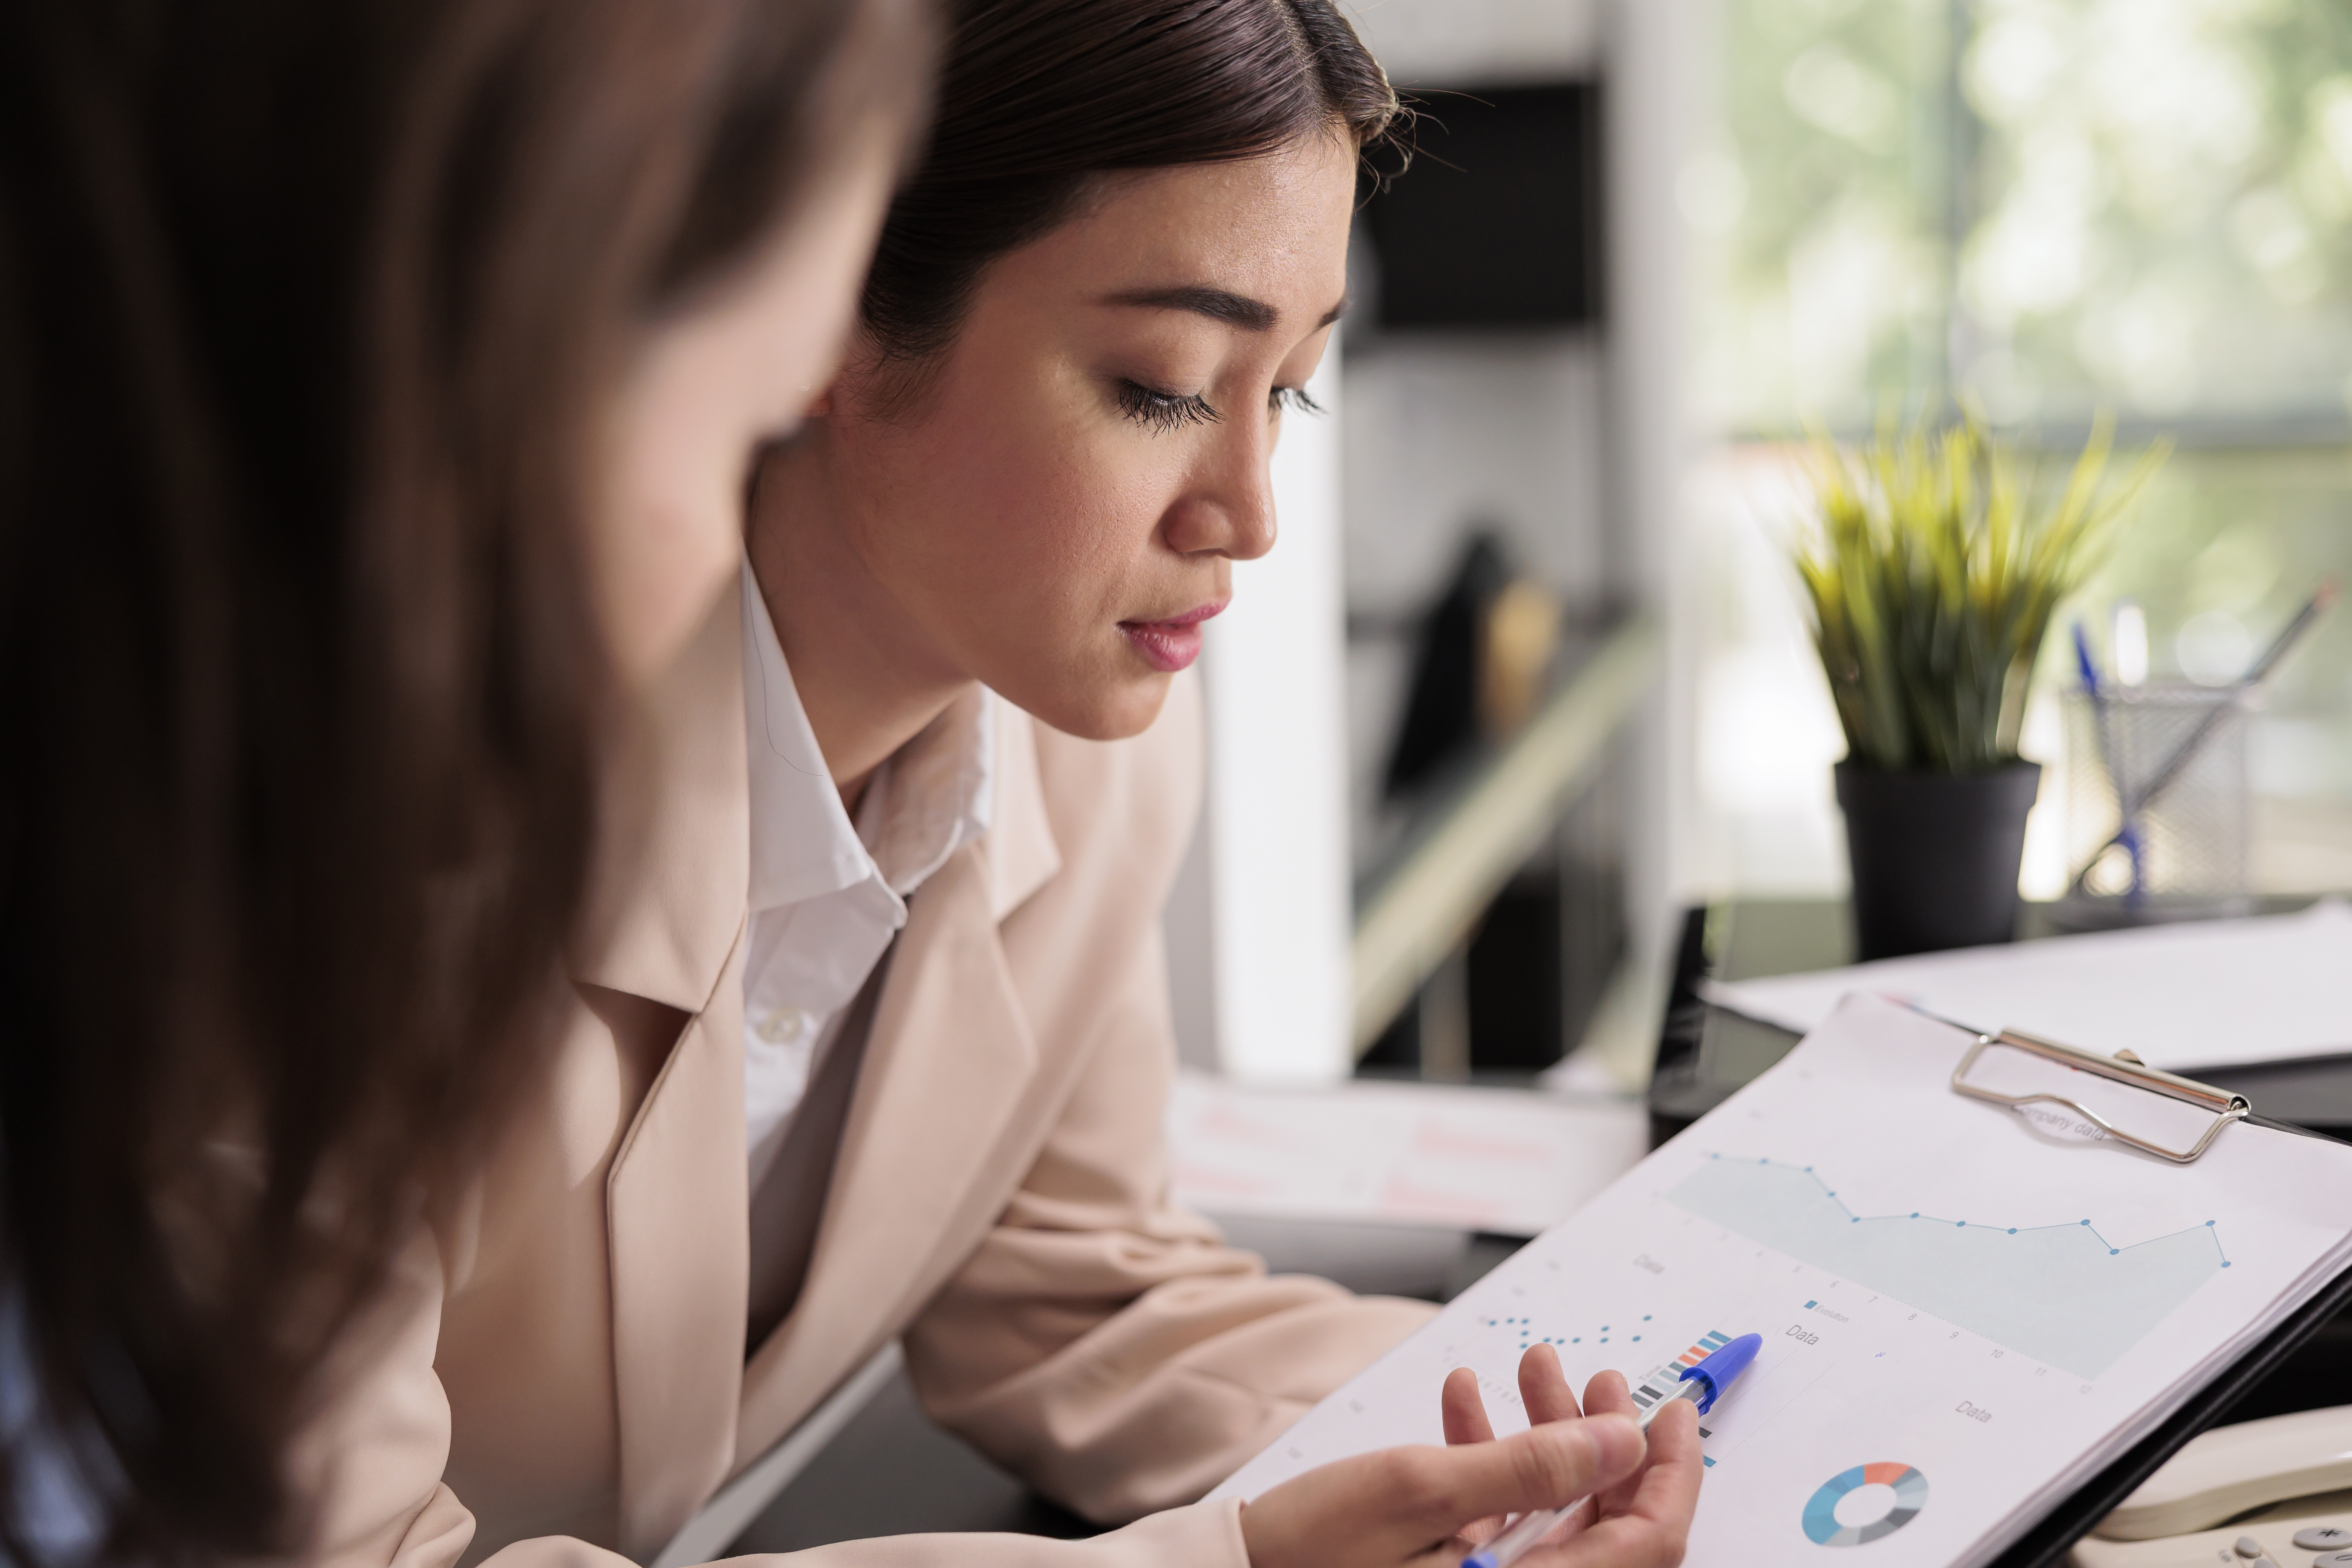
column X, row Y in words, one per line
column 1935, row 856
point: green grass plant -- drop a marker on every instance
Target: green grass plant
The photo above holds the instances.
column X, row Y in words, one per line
column 1932, row 566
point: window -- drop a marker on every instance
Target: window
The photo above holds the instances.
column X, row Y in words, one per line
column 2050, row 209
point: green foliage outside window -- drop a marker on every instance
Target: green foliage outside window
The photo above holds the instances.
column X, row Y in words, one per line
column 2051, row 210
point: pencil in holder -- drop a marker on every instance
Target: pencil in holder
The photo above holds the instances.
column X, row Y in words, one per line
column 2180, row 852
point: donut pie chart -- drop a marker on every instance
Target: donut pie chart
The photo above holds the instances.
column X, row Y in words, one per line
column 1822, row 1526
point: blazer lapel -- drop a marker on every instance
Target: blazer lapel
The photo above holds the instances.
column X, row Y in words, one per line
column 670, row 896
column 946, row 1062
column 677, row 1205
column 950, row 1057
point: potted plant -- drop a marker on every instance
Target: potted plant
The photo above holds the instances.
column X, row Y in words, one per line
column 1932, row 569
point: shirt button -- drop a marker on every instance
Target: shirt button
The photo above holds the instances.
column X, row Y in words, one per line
column 781, row 1024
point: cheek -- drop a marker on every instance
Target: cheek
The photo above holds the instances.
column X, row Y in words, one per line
column 1034, row 526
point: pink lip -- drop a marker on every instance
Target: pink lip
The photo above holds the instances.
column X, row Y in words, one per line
column 1173, row 644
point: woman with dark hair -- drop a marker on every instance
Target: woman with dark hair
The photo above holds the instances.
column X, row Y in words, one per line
column 976, row 581
column 378, row 383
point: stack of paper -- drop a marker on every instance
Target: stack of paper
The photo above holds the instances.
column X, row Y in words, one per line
column 2202, row 994
column 1513, row 1162
column 1966, row 1313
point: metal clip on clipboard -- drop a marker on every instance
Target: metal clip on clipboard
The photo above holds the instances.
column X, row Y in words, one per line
column 2018, row 1071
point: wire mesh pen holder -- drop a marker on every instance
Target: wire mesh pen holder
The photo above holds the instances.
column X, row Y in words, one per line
column 2152, row 833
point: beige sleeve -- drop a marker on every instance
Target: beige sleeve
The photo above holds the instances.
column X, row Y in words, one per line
column 1104, row 1344
column 1101, row 1343
column 1206, row 1535
column 371, row 1462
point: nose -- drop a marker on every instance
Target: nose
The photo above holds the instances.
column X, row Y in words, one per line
column 1227, row 508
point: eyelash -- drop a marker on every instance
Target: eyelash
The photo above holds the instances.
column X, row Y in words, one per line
column 1162, row 412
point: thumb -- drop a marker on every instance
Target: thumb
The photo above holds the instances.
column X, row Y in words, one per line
column 1549, row 1466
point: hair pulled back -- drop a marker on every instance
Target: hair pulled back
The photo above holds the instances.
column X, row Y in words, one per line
column 1038, row 97
column 307, row 309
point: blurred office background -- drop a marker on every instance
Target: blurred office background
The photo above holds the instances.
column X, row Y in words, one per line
column 1646, row 244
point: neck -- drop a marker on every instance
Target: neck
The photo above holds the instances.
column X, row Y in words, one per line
column 869, row 673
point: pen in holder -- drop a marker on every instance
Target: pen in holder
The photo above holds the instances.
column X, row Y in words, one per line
column 2182, row 854
column 2159, row 825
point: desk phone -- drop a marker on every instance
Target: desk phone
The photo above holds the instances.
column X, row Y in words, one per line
column 2273, row 1493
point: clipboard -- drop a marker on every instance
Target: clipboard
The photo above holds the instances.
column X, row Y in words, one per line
column 1973, row 1271
column 2049, row 1540
column 1705, row 1054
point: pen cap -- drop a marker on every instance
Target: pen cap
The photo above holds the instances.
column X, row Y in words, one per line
column 1720, row 1370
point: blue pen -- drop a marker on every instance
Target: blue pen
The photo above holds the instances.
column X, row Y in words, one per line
column 1702, row 1385
column 2127, row 832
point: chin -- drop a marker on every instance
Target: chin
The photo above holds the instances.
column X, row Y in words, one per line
column 1117, row 714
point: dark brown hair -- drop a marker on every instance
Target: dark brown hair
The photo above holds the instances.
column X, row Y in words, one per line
column 305, row 311
column 1037, row 97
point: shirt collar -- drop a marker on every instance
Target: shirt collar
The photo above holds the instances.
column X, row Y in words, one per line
column 932, row 796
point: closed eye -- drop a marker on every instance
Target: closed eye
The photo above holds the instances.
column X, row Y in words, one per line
column 1292, row 398
column 1162, row 412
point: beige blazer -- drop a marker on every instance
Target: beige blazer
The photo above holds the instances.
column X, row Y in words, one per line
column 559, row 1373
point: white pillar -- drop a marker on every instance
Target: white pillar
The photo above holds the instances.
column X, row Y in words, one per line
column 1653, row 75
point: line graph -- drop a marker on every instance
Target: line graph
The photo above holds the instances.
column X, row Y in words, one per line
column 2011, row 1230
column 2062, row 1294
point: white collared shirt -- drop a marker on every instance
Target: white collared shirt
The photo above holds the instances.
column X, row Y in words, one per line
column 827, row 896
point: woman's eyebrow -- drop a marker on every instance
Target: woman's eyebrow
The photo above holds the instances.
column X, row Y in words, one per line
column 1217, row 304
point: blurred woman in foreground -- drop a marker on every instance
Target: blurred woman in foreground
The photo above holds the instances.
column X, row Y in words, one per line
column 378, row 382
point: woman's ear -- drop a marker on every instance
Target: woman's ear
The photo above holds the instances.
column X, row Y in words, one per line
column 821, row 406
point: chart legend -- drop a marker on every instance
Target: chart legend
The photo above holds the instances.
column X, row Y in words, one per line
column 1662, row 1381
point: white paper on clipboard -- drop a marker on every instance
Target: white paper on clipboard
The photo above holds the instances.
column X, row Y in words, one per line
column 1986, row 1304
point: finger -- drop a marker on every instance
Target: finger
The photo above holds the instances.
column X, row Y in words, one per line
column 1654, row 1529
column 1607, row 1393
column 1394, row 1505
column 1544, row 1391
column 1549, row 1465
column 1669, row 1481
column 1465, row 1413
column 1543, row 1387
